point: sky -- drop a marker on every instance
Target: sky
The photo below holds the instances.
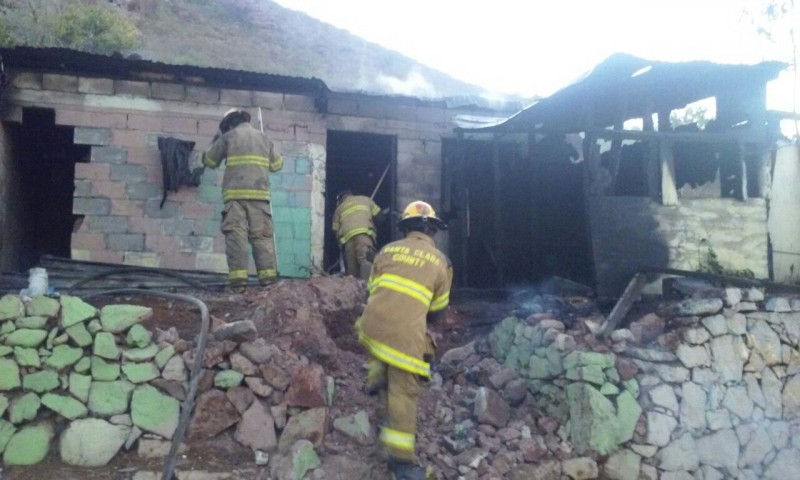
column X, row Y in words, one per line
column 535, row 47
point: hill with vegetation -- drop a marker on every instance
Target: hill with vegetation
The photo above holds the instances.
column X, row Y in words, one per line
column 251, row 35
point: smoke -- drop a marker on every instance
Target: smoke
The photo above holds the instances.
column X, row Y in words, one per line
column 414, row 85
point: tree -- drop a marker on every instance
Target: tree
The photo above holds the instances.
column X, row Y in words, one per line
column 95, row 29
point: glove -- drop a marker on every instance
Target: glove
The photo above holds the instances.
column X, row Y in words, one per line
column 194, row 176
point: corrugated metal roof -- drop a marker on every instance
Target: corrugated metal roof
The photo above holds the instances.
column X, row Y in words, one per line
column 642, row 86
column 66, row 61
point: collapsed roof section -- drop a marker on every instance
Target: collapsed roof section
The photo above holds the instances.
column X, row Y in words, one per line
column 625, row 87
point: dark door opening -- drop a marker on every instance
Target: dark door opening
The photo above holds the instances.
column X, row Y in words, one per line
column 40, row 182
column 357, row 161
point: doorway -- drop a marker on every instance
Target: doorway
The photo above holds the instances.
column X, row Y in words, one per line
column 359, row 162
column 39, row 185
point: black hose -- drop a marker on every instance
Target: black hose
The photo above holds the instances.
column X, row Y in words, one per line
column 122, row 270
column 196, row 373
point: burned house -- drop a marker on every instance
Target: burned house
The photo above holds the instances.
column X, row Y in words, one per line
column 562, row 188
column 593, row 183
column 81, row 175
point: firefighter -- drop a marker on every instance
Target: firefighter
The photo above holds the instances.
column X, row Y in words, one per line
column 246, row 214
column 354, row 225
column 409, row 287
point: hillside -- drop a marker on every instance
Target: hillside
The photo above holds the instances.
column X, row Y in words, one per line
column 253, row 35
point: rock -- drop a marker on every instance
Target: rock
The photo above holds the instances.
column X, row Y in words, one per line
column 42, row 306
column 307, row 388
column 65, row 406
column 692, row 357
column 11, row 307
column 628, row 413
column 772, row 386
column 83, row 365
column 165, row 355
column 626, row 369
column 241, row 364
column 765, row 341
column 785, row 465
column 660, row 428
column 720, row 450
column 341, row 467
column 241, row 398
column 715, row 324
column 141, row 354
column 7, row 430
column 152, row 411
column 138, row 337
column 110, row 398
column 155, row 448
column 79, row 334
column 533, row 449
column 140, row 372
column 681, row 454
column 622, row 465
column 134, row 435
column 738, row 402
column 490, row 408
column 697, row 307
column 175, row 369
column 74, row 310
column 664, row 396
column 105, row 346
column 274, row 376
column 727, row 352
column 257, row 428
column 34, row 322
column 777, row 304
column 123, row 419
column 213, row 414
column 9, row 374
column 259, row 386
column 26, row 337
column 228, row 379
column 279, row 415
column 239, row 332
column 457, row 355
column 696, row 336
column 652, row 355
column 515, row 391
column 307, row 425
column 647, row 328
column 41, row 382
column 550, row 470
column 3, row 405
column 91, row 442
column 63, row 356
column 355, row 427
column 24, row 408
column 582, row 468
column 258, row 351
column 171, row 388
column 29, row 445
column 757, row 448
column 119, row 318
column 693, row 407
column 593, row 419
column 104, row 371
column 300, row 459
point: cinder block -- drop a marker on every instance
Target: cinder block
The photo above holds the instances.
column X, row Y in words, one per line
column 91, row 206
column 108, row 154
column 88, row 241
column 99, row 86
column 106, row 256
column 196, row 210
column 27, row 81
column 143, row 191
column 299, row 103
column 431, row 114
column 268, row 100
column 236, row 98
column 92, row 171
column 134, row 89
column 153, row 208
column 208, row 128
column 209, row 193
column 179, row 260
column 179, row 125
column 80, row 254
column 157, row 242
column 212, row 262
column 142, row 259
column 83, row 188
column 108, row 224
column 150, row 123
column 125, row 242
column 342, row 106
column 194, row 243
column 167, row 91
column 372, row 108
column 403, row 113
column 61, row 83
column 92, row 136
column 125, row 206
column 128, row 173
column 302, row 166
column 202, row 94
column 177, row 226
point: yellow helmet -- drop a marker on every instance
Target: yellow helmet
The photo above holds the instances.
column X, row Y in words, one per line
column 419, row 210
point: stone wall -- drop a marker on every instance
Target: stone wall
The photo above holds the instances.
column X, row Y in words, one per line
column 631, row 232
column 706, row 387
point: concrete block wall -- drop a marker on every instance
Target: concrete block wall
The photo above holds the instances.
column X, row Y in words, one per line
column 119, row 191
column 631, row 232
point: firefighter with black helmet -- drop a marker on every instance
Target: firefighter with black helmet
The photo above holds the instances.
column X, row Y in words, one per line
column 408, row 288
column 246, row 216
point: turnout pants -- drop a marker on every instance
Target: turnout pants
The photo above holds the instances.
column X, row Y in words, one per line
column 250, row 221
column 358, row 254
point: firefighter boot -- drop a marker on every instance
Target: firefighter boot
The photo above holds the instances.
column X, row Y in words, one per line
column 376, row 377
column 401, row 470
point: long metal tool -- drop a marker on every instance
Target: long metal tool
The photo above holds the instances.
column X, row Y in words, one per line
column 385, row 171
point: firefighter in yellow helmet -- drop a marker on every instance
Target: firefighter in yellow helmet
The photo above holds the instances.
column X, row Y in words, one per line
column 354, row 226
column 246, row 216
column 408, row 288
